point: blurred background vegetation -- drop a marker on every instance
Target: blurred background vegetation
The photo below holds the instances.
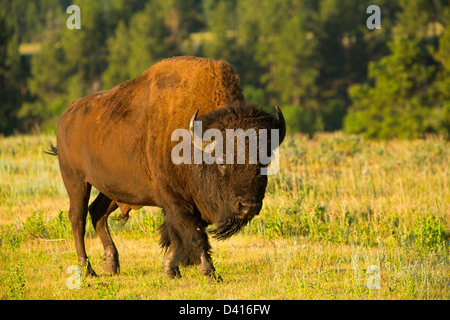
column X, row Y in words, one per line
column 314, row 58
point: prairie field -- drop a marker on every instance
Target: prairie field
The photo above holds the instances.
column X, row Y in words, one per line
column 344, row 218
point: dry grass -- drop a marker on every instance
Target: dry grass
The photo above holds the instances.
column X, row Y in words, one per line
column 338, row 206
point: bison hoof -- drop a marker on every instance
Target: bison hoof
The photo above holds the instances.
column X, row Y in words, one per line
column 215, row 277
column 211, row 274
column 172, row 273
column 87, row 269
column 90, row 272
column 111, row 265
column 111, row 268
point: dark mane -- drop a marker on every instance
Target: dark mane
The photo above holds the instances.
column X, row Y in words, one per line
column 238, row 116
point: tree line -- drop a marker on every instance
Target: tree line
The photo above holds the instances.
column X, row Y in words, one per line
column 314, row 58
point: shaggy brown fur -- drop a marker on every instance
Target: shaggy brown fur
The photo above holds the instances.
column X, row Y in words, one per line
column 119, row 141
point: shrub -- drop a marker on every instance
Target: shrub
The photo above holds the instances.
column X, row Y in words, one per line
column 428, row 233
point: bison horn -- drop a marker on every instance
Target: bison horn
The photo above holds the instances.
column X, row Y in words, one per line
column 282, row 124
column 191, row 124
column 195, row 141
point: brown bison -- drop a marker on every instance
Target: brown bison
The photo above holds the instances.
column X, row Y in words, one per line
column 119, row 141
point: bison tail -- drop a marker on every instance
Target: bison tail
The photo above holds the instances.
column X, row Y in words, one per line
column 52, row 150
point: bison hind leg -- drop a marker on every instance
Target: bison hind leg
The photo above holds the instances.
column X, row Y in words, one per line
column 100, row 209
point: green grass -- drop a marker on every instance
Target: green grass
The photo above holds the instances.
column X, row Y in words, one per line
column 339, row 208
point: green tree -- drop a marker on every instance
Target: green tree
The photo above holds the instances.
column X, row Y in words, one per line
column 345, row 47
column 391, row 108
column 69, row 65
column 233, row 34
column 407, row 98
column 135, row 48
column 119, row 52
column 182, row 17
column 222, row 24
column 246, row 61
column 86, row 48
column 148, row 38
column 271, row 45
column 10, row 95
column 285, row 48
column 440, row 91
column 418, row 18
column 31, row 19
column 47, row 86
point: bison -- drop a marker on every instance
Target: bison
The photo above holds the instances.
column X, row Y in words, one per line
column 119, row 141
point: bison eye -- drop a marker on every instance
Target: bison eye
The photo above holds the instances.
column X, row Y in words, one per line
column 222, row 168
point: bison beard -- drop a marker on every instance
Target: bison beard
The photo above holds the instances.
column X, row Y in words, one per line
column 228, row 227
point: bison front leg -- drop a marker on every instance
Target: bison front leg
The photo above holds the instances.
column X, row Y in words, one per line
column 187, row 244
column 168, row 242
column 170, row 266
column 207, row 267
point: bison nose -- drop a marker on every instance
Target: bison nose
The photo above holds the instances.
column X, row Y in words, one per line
column 244, row 208
column 249, row 210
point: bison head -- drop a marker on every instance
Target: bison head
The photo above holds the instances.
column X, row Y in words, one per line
column 231, row 188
